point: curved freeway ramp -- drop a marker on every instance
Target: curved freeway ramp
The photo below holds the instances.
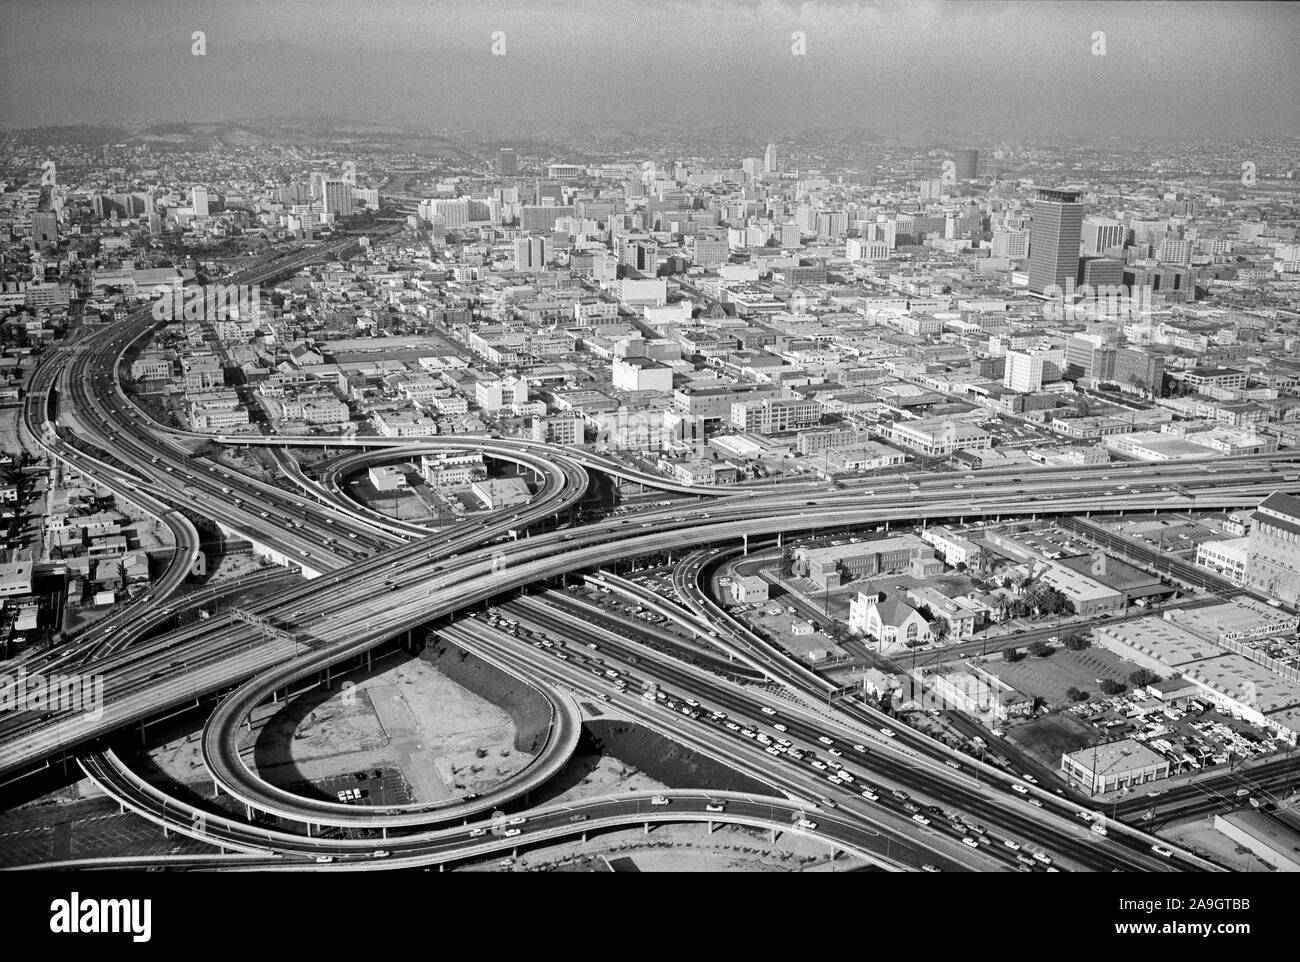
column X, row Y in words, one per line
column 233, row 776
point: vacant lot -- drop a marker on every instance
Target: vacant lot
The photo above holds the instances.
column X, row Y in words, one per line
column 444, row 739
column 1049, row 678
column 1047, row 739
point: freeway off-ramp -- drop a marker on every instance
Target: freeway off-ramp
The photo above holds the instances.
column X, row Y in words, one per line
column 381, row 580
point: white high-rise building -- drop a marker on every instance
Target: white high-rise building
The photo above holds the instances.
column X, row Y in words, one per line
column 769, row 159
column 1011, row 244
column 1024, row 372
column 1102, row 233
column 199, row 201
column 337, row 197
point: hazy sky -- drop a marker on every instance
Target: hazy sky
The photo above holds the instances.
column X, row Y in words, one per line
column 1001, row 68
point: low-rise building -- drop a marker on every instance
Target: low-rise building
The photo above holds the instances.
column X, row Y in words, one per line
column 1115, row 765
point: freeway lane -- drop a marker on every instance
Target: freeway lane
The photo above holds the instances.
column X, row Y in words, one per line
column 357, row 623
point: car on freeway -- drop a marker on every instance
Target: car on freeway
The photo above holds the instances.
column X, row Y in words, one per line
column 887, row 733
column 806, row 823
column 517, row 820
column 578, row 818
column 767, row 711
column 380, row 853
column 968, row 841
column 1029, row 778
column 834, row 780
column 824, row 740
column 512, row 832
column 1017, row 787
column 899, row 794
column 927, row 867
column 324, row 859
column 953, row 764
column 836, row 752
column 659, row 800
column 1043, row 857
column 860, row 748
column 819, row 765
column 1036, row 803
column 715, row 807
column 477, row 832
column 1014, row 846
column 911, row 807
column 921, row 819
column 779, row 727
column 869, row 795
column 1161, row 850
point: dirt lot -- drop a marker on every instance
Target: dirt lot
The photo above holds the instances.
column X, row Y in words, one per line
column 1047, row 739
column 407, row 715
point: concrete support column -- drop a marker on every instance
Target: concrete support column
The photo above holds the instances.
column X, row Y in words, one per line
column 647, row 828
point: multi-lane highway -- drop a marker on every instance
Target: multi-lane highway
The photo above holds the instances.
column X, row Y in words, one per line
column 373, row 579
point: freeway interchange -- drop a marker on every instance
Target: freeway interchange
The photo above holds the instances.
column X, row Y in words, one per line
column 371, row 581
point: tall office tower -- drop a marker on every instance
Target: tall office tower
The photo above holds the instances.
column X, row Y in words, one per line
column 1101, row 233
column 750, row 165
column 45, row 227
column 199, row 201
column 1054, row 239
column 769, row 159
column 508, row 162
column 968, row 163
column 531, row 253
column 1024, row 371
column 337, row 195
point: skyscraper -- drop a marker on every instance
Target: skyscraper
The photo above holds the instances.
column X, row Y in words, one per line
column 1102, row 233
column 337, row 195
column 199, row 201
column 508, row 162
column 1054, row 239
column 769, row 159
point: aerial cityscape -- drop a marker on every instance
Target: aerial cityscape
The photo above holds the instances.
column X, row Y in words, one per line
column 615, row 460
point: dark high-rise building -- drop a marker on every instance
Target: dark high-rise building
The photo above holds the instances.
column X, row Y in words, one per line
column 508, row 162
column 967, row 163
column 1054, row 239
column 1139, row 369
column 1101, row 272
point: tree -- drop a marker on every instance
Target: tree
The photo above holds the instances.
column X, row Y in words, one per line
column 1074, row 694
column 1109, row 686
column 939, row 630
column 1143, row 677
column 1040, row 649
column 1077, row 641
column 1012, row 654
